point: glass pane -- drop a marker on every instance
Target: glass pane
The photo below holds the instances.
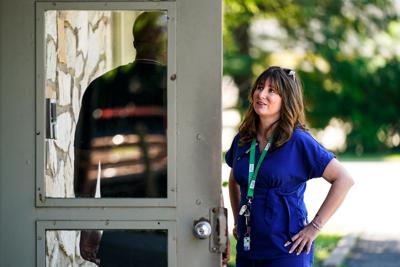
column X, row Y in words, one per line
column 107, row 248
column 107, row 104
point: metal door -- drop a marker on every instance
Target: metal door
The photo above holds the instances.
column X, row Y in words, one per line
column 146, row 187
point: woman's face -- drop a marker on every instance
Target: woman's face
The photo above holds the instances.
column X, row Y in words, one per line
column 266, row 101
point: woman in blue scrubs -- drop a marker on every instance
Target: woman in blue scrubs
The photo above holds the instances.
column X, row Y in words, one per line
column 272, row 157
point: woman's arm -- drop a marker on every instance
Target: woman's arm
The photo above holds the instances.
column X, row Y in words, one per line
column 341, row 182
column 234, row 196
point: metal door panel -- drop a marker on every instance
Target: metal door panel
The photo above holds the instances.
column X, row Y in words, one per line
column 196, row 131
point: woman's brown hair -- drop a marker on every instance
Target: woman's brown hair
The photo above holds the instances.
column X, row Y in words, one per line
column 288, row 86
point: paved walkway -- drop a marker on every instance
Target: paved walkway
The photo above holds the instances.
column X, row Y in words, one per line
column 371, row 207
column 375, row 251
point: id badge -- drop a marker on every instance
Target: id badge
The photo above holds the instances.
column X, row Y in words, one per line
column 243, row 210
column 246, row 243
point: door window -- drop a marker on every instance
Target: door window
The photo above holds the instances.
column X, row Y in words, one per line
column 106, row 109
column 109, row 243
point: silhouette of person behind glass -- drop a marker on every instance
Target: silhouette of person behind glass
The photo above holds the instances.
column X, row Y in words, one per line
column 120, row 146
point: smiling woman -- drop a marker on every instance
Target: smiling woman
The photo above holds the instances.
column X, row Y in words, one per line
column 272, row 157
column 281, row 93
column 267, row 101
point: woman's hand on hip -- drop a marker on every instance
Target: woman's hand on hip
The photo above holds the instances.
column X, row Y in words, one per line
column 303, row 239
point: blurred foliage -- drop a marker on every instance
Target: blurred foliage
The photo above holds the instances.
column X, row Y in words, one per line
column 324, row 245
column 346, row 53
column 232, row 258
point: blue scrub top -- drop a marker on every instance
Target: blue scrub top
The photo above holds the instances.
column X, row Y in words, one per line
column 278, row 211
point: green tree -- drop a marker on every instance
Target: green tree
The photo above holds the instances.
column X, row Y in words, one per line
column 349, row 64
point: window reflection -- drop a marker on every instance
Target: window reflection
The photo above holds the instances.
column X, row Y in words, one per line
column 119, row 144
column 107, row 248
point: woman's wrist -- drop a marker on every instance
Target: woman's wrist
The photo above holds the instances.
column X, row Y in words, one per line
column 318, row 220
column 316, row 226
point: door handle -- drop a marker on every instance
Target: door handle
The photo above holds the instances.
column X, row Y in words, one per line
column 202, row 228
column 51, row 118
column 216, row 229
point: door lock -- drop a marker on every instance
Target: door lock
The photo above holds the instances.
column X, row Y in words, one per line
column 202, row 228
column 216, row 229
column 219, row 222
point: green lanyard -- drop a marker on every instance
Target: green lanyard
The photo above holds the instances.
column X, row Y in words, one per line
column 253, row 174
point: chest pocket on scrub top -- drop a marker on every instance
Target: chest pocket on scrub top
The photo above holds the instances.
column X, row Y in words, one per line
column 241, row 166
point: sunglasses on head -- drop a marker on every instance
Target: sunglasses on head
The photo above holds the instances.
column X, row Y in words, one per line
column 291, row 73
